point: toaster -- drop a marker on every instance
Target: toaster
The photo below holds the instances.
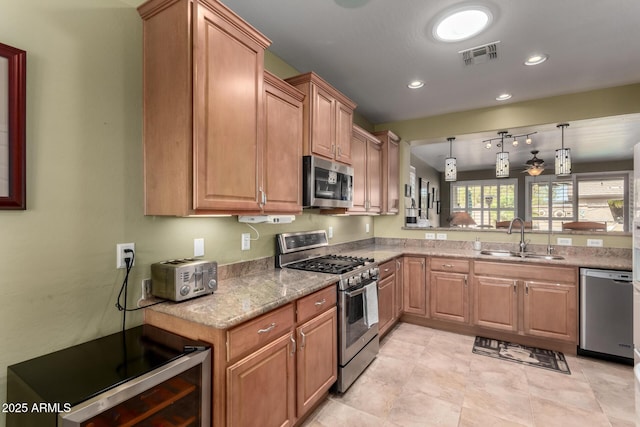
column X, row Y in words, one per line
column 183, row 279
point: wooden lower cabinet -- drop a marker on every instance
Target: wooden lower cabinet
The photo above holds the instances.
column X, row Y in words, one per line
column 531, row 300
column 397, row 311
column 317, row 359
column 414, row 278
column 449, row 289
column 261, row 388
column 550, row 310
column 495, row 303
column 387, row 295
column 449, row 296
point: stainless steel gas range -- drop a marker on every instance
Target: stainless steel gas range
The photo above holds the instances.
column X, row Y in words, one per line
column 357, row 297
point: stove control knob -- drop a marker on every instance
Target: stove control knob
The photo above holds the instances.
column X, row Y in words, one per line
column 184, row 290
column 365, row 275
column 374, row 272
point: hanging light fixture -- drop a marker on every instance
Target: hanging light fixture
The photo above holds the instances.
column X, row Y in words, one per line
column 502, row 159
column 450, row 168
column 563, row 156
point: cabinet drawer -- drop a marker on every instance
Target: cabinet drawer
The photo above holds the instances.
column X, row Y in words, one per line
column 316, row 303
column 387, row 269
column 255, row 333
column 450, row 264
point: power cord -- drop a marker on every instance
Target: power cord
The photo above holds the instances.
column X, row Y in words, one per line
column 128, row 261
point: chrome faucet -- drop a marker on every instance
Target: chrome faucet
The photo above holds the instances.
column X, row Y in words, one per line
column 523, row 244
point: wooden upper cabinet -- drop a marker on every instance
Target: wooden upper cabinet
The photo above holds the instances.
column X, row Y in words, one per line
column 366, row 155
column 328, row 119
column 390, row 171
column 204, row 118
column 283, row 146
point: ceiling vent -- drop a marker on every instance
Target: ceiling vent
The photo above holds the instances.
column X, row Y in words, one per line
column 480, row 54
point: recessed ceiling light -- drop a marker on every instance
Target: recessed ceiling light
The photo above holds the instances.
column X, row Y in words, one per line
column 536, row 59
column 503, row 97
column 462, row 23
column 416, row 84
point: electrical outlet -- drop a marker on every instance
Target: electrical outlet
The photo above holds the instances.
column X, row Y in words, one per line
column 430, row 236
column 564, row 241
column 198, row 247
column 596, row 243
column 120, row 254
column 366, row 228
column 246, row 241
column 441, row 236
column 146, row 288
column 330, row 233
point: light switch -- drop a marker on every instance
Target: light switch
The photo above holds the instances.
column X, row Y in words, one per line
column 198, row 247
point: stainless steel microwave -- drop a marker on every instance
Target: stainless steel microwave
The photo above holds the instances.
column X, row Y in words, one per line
column 326, row 184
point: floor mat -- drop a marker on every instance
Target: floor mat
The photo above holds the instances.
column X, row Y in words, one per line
column 532, row 356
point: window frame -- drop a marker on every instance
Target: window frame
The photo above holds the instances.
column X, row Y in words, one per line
column 497, row 182
column 575, row 179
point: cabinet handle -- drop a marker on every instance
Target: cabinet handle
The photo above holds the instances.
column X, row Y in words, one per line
column 465, row 280
column 333, row 148
column 293, row 346
column 303, row 342
column 339, row 151
column 386, row 270
column 447, row 265
column 515, row 287
column 526, row 288
column 319, row 303
column 267, row 329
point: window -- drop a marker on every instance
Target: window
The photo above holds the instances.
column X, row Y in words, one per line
column 596, row 197
column 486, row 201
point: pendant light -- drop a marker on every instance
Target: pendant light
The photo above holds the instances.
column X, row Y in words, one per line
column 563, row 156
column 502, row 159
column 450, row 168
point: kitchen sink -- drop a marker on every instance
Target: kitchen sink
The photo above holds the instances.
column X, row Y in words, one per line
column 502, row 253
column 542, row 256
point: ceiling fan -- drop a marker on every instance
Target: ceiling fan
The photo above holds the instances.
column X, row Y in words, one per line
column 535, row 166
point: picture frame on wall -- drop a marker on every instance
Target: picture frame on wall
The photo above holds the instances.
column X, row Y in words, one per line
column 13, row 63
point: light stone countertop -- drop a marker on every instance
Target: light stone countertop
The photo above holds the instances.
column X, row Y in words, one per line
column 242, row 298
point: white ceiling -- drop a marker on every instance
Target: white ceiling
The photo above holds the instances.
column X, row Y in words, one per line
column 371, row 49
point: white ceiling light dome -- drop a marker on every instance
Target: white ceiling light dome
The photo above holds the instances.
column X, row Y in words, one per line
column 462, row 22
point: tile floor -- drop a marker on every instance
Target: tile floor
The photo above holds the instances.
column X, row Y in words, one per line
column 425, row 377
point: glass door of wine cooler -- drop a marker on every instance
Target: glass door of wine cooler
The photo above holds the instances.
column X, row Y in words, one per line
column 175, row 395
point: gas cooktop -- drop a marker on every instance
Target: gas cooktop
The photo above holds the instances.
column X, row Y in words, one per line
column 333, row 264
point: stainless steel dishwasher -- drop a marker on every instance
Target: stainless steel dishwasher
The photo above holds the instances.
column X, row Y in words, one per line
column 606, row 314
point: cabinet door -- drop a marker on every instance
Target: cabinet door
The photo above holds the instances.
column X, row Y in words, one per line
column 282, row 151
column 228, row 116
column 550, row 310
column 323, row 124
column 449, row 296
column 317, row 359
column 415, row 285
column 495, row 303
column 261, row 388
column 399, row 289
column 374, row 174
column 344, row 125
column 359, row 164
column 392, row 187
column 386, row 303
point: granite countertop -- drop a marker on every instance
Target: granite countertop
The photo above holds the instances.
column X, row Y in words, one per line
column 242, row 298
column 247, row 296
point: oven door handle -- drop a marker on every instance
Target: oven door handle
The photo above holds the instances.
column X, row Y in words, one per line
column 355, row 293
